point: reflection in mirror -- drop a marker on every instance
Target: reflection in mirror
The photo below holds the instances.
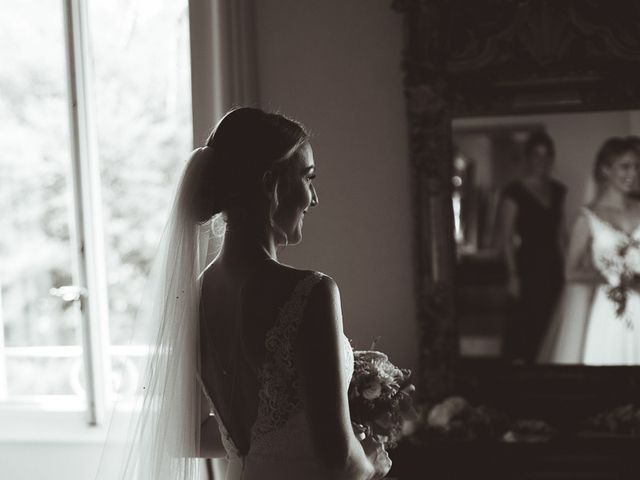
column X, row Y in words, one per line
column 547, row 234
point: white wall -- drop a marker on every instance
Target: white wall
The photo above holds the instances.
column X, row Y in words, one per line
column 335, row 66
column 51, row 461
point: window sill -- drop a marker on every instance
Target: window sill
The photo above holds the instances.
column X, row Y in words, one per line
column 47, row 423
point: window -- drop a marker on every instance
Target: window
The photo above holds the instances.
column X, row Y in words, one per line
column 143, row 122
column 83, row 198
column 39, row 338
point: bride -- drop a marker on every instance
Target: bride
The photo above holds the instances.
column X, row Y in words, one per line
column 249, row 353
column 598, row 320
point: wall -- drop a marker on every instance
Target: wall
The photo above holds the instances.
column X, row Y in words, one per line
column 336, row 67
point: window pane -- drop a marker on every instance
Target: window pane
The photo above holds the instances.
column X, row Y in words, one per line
column 143, row 109
column 39, row 332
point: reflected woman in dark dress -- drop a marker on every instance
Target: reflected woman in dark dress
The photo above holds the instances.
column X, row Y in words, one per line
column 532, row 221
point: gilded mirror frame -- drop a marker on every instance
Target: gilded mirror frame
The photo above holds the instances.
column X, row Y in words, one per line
column 499, row 57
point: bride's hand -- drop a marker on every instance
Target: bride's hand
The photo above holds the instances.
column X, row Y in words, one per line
column 378, row 457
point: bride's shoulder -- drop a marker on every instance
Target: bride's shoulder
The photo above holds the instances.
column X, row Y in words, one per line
column 634, row 204
column 284, row 271
column 281, row 278
column 320, row 291
column 587, row 209
column 583, row 220
column 288, row 270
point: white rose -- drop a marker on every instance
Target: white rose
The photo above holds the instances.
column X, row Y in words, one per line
column 372, row 391
column 441, row 415
column 632, row 259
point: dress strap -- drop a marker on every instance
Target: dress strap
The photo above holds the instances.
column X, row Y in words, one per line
column 279, row 396
column 596, row 221
column 593, row 219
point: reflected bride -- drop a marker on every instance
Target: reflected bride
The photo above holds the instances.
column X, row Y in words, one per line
column 596, row 322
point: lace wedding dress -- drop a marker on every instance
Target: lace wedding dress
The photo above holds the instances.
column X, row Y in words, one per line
column 280, row 446
column 586, row 328
column 611, row 339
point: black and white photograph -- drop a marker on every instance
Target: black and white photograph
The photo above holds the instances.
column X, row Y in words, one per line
column 319, row 240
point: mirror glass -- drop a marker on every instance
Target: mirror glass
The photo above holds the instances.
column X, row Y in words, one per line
column 548, row 256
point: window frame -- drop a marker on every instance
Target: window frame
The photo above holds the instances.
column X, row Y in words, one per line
column 89, row 234
column 71, row 418
column 220, row 31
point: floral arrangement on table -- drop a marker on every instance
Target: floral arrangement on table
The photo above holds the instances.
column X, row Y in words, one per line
column 621, row 272
column 622, row 420
column 529, row 431
column 456, row 419
column 380, row 398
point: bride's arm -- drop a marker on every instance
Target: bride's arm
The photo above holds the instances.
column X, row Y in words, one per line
column 319, row 356
column 578, row 265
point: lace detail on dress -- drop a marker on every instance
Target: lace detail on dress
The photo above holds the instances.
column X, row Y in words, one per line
column 613, row 250
column 279, row 395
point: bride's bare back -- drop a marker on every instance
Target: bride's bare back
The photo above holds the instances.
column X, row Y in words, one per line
column 236, row 315
column 273, row 354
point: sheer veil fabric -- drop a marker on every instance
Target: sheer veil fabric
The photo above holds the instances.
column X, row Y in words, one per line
column 162, row 423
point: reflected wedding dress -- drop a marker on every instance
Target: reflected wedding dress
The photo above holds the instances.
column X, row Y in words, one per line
column 586, row 328
column 280, row 446
column 609, row 339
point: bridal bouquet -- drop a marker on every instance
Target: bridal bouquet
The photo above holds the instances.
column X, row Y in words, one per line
column 456, row 419
column 380, row 397
column 621, row 272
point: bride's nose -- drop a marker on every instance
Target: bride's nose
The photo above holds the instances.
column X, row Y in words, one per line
column 314, row 196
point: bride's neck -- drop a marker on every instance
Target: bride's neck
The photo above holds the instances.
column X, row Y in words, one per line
column 244, row 244
column 614, row 199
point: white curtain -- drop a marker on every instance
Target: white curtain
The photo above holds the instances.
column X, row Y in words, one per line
column 223, row 60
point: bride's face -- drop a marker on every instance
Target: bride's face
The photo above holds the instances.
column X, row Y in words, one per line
column 622, row 174
column 297, row 195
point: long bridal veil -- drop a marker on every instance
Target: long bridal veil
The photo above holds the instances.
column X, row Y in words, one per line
column 156, row 434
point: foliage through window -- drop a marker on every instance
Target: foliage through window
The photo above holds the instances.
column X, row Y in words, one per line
column 143, row 115
column 140, row 79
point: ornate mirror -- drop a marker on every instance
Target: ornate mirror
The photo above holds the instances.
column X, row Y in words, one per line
column 481, row 80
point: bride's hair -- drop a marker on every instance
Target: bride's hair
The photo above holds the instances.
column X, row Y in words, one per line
column 163, row 439
column 612, row 149
column 245, row 144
